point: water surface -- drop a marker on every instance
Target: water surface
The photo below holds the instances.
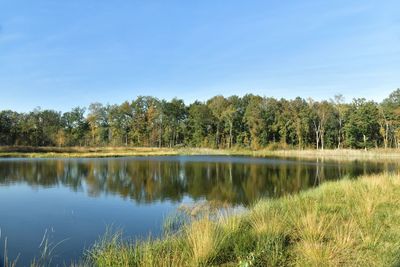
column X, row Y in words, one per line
column 74, row 200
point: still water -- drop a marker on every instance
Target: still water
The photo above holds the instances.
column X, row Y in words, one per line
column 72, row 201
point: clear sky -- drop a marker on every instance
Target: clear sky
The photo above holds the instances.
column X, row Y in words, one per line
column 63, row 53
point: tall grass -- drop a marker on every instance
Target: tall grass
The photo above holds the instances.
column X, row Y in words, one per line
column 5, row 261
column 345, row 223
column 47, row 249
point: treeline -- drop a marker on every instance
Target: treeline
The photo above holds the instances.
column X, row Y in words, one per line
column 249, row 121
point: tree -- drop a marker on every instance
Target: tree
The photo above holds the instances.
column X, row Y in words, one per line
column 341, row 109
column 116, row 121
column 200, row 123
column 228, row 115
column 138, row 126
column 390, row 118
column 322, row 112
column 284, row 121
column 255, row 120
column 9, row 127
column 153, row 121
column 98, row 123
column 362, row 128
column 175, row 114
column 248, row 121
column 300, row 113
column 49, row 121
column 126, row 117
column 75, row 127
column 218, row 105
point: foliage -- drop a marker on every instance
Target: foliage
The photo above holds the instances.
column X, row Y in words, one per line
column 249, row 122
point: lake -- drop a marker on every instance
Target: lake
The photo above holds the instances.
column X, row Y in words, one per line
column 73, row 201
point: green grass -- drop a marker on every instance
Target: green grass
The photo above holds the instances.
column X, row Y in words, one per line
column 345, row 223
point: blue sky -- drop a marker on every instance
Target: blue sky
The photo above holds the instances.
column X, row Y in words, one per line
column 61, row 54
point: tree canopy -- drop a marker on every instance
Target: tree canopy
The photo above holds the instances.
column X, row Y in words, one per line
column 221, row 122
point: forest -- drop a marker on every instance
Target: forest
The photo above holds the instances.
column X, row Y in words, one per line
column 250, row 121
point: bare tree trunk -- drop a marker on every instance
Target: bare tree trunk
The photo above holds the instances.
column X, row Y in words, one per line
column 340, row 134
column 160, row 137
column 365, row 142
column 230, row 134
column 386, row 136
column 317, row 130
column 322, row 139
column 217, row 137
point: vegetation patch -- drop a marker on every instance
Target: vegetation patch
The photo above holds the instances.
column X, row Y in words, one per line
column 220, row 122
column 103, row 152
column 345, row 223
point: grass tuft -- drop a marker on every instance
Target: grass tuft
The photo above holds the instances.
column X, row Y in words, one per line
column 344, row 223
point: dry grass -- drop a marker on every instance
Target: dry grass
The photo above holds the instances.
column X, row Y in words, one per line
column 334, row 154
column 267, row 222
column 83, row 152
column 204, row 238
column 99, row 152
column 345, row 223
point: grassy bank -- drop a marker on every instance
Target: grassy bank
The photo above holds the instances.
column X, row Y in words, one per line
column 345, row 223
column 98, row 152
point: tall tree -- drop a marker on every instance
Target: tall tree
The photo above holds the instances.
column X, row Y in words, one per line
column 390, row 119
column 255, row 120
column 321, row 112
column 300, row 113
column 228, row 116
column 362, row 129
column 341, row 109
column 218, row 105
column 175, row 115
column 200, row 125
column 75, row 127
column 9, row 127
column 99, row 123
column 138, row 126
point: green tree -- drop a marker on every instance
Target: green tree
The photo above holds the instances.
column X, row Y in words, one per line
column 9, row 127
column 218, row 105
column 200, row 123
column 228, row 116
column 98, row 123
column 341, row 110
column 255, row 120
column 75, row 127
column 362, row 127
column 390, row 119
column 300, row 113
column 321, row 114
column 174, row 115
column 138, row 125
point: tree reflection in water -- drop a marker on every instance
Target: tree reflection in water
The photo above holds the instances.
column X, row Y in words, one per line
column 233, row 180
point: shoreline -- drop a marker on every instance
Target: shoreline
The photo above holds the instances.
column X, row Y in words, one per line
column 105, row 152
